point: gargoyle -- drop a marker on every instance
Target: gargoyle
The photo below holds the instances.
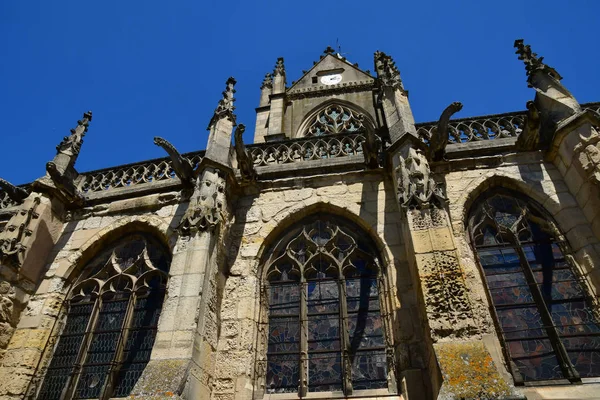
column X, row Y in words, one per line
column 245, row 162
column 370, row 148
column 182, row 166
column 529, row 139
column 439, row 138
column 64, row 182
column 15, row 193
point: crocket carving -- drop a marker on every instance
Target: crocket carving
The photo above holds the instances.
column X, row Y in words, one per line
column 15, row 193
column 245, row 162
column 439, row 138
column 182, row 167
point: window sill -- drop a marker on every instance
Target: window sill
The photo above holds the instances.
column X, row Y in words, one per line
column 358, row 394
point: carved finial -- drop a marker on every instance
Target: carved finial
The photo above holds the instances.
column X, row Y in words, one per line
column 279, row 67
column 532, row 61
column 329, row 50
column 387, row 72
column 15, row 193
column 267, row 81
column 225, row 107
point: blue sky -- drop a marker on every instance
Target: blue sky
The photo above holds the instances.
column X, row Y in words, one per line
column 148, row 68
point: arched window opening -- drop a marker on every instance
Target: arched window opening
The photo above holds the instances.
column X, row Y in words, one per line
column 548, row 323
column 336, row 118
column 325, row 325
column 112, row 316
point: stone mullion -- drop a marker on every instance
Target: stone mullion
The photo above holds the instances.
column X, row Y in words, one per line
column 303, row 384
column 385, row 314
column 345, row 337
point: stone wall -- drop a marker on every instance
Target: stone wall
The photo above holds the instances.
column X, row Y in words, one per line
column 363, row 198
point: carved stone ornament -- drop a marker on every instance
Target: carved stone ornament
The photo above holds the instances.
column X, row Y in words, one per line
column 14, row 236
column 244, row 160
column 439, row 138
column 553, row 101
column 387, row 72
column 207, row 204
column 415, row 185
column 588, row 153
column 6, row 303
column 181, row 165
column 225, row 107
column 267, row 82
column 279, row 67
column 15, row 193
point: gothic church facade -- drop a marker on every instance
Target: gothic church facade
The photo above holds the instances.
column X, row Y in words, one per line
column 349, row 252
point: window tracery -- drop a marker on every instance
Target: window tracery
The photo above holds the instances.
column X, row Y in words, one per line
column 111, row 323
column 336, row 118
column 325, row 330
column 547, row 321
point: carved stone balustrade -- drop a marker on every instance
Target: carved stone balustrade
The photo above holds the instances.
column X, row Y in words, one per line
column 133, row 174
column 307, row 149
column 488, row 127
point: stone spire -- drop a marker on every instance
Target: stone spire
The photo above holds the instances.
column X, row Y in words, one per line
column 221, row 126
column 225, row 107
column 279, row 77
column 532, row 62
column 62, row 168
column 387, row 72
column 552, row 100
column 392, row 99
column 266, row 89
column 68, row 150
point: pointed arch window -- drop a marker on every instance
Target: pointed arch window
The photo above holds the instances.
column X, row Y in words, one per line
column 547, row 321
column 111, row 321
column 325, row 329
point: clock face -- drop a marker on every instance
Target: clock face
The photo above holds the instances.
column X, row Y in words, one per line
column 331, row 79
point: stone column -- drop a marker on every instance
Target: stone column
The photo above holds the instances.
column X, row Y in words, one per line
column 457, row 354
column 183, row 360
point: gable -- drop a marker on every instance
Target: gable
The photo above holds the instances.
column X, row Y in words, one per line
column 328, row 65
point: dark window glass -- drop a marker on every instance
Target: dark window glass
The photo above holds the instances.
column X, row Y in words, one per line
column 543, row 311
column 111, row 323
column 324, row 298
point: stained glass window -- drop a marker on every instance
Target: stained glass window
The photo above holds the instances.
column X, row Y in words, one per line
column 111, row 322
column 545, row 316
column 325, row 327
